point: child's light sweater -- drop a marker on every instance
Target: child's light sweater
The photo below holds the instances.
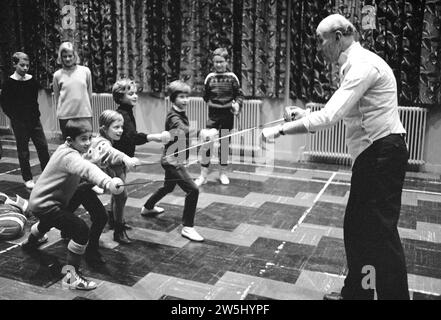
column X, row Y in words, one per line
column 59, row 180
column 103, row 154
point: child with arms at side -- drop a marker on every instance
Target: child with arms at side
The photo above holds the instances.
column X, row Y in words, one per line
column 224, row 98
column 19, row 100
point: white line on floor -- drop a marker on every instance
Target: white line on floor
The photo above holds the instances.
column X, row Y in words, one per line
column 264, row 174
column 317, row 197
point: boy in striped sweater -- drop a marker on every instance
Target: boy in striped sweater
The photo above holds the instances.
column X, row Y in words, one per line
column 224, row 98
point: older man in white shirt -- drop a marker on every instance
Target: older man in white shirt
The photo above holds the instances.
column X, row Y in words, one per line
column 367, row 101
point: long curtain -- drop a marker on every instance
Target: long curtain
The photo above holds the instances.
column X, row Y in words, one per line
column 31, row 27
column 430, row 66
column 311, row 79
column 157, row 41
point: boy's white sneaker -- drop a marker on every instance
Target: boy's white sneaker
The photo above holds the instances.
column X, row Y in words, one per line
column 155, row 210
column 192, row 234
column 74, row 280
column 200, row 180
column 224, row 179
column 30, row 184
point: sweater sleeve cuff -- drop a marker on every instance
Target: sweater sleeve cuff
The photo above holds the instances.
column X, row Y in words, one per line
column 306, row 121
column 105, row 182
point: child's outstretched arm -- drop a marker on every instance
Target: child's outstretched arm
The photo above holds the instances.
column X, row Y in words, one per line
column 104, row 155
column 131, row 133
column 163, row 137
column 76, row 165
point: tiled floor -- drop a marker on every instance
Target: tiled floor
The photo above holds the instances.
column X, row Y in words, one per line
column 269, row 235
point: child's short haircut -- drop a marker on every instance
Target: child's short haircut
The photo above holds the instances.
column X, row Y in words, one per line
column 19, row 55
column 76, row 127
column 106, row 119
column 67, row 46
column 121, row 87
column 176, row 87
column 222, row 52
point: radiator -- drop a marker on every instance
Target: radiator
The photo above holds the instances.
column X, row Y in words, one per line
column 99, row 103
column 197, row 112
column 330, row 143
column 4, row 121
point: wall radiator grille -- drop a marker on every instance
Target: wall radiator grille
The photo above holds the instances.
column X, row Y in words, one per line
column 4, row 121
column 100, row 102
column 330, row 144
column 197, row 112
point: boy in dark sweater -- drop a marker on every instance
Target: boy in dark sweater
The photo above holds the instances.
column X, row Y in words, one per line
column 124, row 94
column 173, row 161
column 19, row 101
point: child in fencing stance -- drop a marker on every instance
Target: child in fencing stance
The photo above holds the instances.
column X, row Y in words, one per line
column 115, row 163
column 124, row 94
column 53, row 192
column 173, row 162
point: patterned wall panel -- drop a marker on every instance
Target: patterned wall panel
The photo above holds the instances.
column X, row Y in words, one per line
column 413, row 15
column 8, row 39
column 93, row 38
column 40, row 36
column 195, row 57
column 311, row 78
column 248, row 46
column 30, row 27
column 155, row 42
column 264, row 47
column 173, row 39
column 430, row 66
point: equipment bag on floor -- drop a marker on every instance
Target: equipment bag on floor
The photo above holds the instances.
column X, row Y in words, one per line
column 12, row 220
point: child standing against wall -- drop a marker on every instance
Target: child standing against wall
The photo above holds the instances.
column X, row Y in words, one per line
column 19, row 100
column 72, row 86
column 224, row 98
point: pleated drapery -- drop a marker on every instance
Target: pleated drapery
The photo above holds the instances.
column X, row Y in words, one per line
column 156, row 42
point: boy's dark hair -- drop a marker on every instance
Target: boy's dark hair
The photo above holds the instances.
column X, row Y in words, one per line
column 176, row 87
column 222, row 52
column 19, row 55
column 76, row 127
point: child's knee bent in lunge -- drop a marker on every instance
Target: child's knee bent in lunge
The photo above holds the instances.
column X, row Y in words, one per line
column 174, row 161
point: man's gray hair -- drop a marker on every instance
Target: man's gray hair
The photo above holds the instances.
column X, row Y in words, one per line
column 336, row 22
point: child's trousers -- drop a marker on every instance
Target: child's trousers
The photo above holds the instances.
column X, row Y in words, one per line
column 178, row 175
column 23, row 132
